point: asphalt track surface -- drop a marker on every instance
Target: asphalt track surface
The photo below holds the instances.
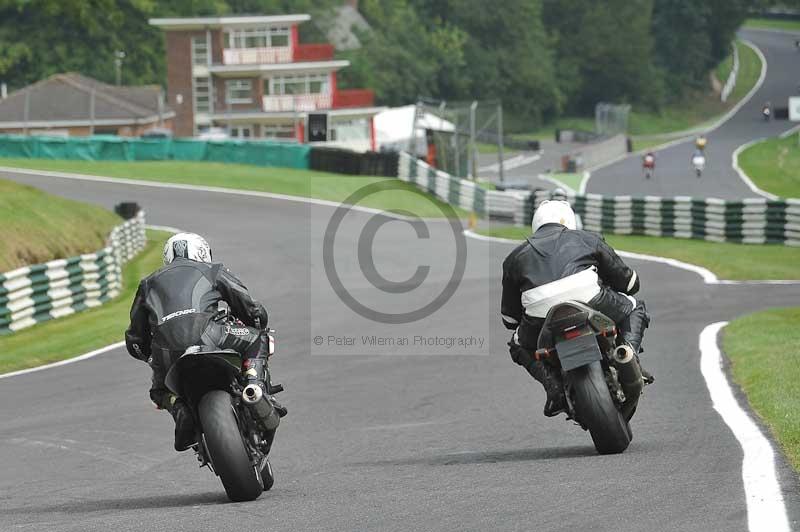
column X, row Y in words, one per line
column 674, row 174
column 398, row 440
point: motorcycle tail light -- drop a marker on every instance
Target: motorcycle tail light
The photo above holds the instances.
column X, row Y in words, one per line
column 574, row 333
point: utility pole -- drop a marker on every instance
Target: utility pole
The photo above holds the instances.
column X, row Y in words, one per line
column 473, row 173
column 91, row 112
column 500, row 138
column 119, row 55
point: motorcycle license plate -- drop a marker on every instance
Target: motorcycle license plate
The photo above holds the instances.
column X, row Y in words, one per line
column 578, row 352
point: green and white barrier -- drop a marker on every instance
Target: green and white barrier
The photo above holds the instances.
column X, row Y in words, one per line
column 751, row 221
column 33, row 294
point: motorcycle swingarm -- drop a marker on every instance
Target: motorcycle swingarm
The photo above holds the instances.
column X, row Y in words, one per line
column 578, row 352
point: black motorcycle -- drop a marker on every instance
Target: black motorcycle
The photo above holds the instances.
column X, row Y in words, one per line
column 236, row 422
column 601, row 374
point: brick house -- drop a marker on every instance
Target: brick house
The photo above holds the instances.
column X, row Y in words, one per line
column 252, row 76
column 72, row 104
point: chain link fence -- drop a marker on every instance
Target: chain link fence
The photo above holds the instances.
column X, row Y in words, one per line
column 611, row 119
column 453, row 133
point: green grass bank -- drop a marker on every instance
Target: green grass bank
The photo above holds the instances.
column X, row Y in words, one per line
column 774, row 165
column 726, row 260
column 772, row 24
column 85, row 331
column 764, row 354
column 37, row 227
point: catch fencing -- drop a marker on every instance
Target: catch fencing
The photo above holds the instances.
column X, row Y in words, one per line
column 111, row 148
column 33, row 294
column 750, row 221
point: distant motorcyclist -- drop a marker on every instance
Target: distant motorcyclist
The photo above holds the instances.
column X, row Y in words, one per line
column 557, row 250
column 649, row 164
column 766, row 111
column 698, row 161
column 177, row 307
column 700, row 142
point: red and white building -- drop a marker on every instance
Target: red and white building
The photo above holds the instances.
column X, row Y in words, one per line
column 252, row 76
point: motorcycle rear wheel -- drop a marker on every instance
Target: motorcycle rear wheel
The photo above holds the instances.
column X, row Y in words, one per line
column 596, row 410
column 226, row 447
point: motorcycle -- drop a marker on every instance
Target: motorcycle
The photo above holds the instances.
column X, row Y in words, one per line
column 235, row 421
column 699, row 163
column 601, row 374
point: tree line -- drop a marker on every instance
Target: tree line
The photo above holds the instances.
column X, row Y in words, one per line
column 542, row 58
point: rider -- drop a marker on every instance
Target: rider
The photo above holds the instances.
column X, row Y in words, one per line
column 700, row 142
column 698, row 159
column 177, row 307
column 557, row 250
column 649, row 162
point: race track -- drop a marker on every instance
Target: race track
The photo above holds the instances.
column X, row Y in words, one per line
column 388, row 441
column 674, row 175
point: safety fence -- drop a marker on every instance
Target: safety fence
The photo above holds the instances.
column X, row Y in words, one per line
column 33, row 294
column 751, row 221
column 112, row 148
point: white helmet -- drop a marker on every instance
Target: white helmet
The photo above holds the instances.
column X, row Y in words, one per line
column 187, row 245
column 554, row 212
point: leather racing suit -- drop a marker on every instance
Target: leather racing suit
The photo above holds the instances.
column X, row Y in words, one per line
column 554, row 252
column 177, row 306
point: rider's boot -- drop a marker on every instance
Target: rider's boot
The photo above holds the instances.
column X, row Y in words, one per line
column 551, row 380
column 637, row 322
column 185, row 435
column 257, row 373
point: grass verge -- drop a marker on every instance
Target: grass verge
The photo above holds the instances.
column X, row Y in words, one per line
column 774, row 165
column 572, row 181
column 292, row 182
column 79, row 333
column 763, row 349
column 772, row 24
column 727, row 260
column 38, row 227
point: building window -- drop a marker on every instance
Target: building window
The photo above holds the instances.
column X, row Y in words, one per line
column 200, row 51
column 241, row 132
column 257, row 37
column 202, row 95
column 239, row 91
column 300, row 84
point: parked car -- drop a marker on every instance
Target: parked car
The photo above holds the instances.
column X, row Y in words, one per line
column 157, row 133
column 213, row 133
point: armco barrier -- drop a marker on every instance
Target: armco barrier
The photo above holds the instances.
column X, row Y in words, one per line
column 42, row 292
column 751, row 221
column 110, row 148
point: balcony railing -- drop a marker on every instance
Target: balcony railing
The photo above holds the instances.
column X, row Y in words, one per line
column 353, row 98
column 254, row 56
column 313, row 52
column 297, row 102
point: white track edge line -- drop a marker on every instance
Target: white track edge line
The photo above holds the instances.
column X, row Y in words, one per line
column 743, row 176
column 708, row 276
column 78, row 358
column 766, row 511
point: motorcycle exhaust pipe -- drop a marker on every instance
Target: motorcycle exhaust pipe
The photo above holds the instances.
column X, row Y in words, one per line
column 629, row 374
column 255, row 399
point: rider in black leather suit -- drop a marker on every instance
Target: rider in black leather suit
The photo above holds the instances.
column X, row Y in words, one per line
column 554, row 251
column 178, row 306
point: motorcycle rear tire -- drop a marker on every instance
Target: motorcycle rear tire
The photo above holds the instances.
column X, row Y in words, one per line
column 594, row 408
column 226, row 447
